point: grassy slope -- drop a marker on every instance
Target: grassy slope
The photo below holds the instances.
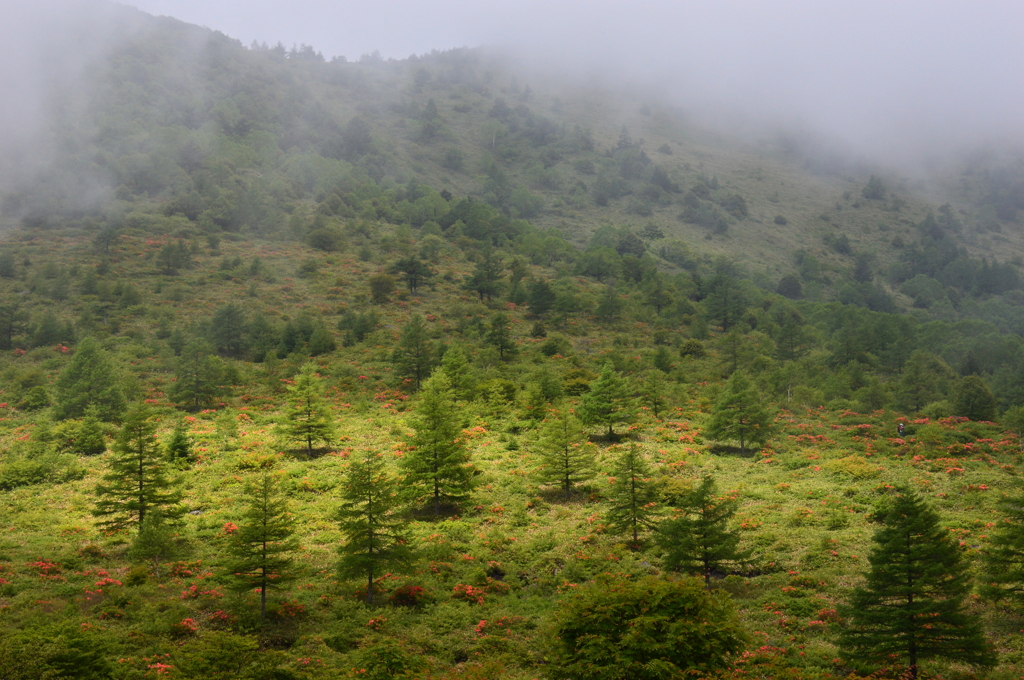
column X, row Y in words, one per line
column 805, row 501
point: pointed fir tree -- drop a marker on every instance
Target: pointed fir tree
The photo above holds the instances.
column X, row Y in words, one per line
column 652, row 392
column 376, row 538
column 1003, row 558
column 499, row 336
column 259, row 553
column 738, row 415
column 307, row 418
column 199, row 375
column 632, row 496
column 89, row 379
column 697, row 539
column 608, row 401
column 486, row 278
column 911, row 606
column 566, row 457
column 459, row 371
column 541, row 298
column 438, row 463
column 137, row 481
column 179, row 446
column 415, row 352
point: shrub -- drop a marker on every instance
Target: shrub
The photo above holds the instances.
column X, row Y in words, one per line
column 645, row 629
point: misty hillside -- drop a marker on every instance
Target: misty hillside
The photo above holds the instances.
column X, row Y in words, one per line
column 452, row 368
column 183, row 122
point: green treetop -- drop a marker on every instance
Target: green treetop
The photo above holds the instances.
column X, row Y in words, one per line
column 415, row 352
column 632, row 497
column 739, row 415
column 259, row 551
column 90, row 379
column 438, row 462
column 697, row 540
column 566, row 457
column 608, row 401
column 307, row 418
column 376, row 537
column 911, row 605
column 1003, row 558
column 137, row 480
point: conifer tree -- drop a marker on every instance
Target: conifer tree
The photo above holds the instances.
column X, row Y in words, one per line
column 179, row 446
column 652, row 392
column 89, row 379
column 459, row 371
column 307, row 418
column 137, row 481
column 376, row 538
column 608, row 401
column 486, row 278
column 541, row 298
column 697, row 540
column 632, row 495
column 259, row 552
column 566, row 456
column 1003, row 559
column 415, row 352
column 500, row 336
column 438, row 463
column 199, row 376
column 738, row 414
column 911, row 605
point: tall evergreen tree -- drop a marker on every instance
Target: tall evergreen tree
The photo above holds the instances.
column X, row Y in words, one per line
column 541, row 297
column 459, row 371
column 911, row 605
column 415, row 352
column 438, row 463
column 227, row 330
column 199, row 376
column 137, row 480
column 307, row 418
column 375, row 536
column 726, row 300
column 485, row 280
column 179, row 446
column 738, row 414
column 972, row 399
column 652, row 392
column 608, row 401
column 13, row 321
column 500, row 336
column 259, row 552
column 697, row 540
column 632, row 497
column 926, row 378
column 89, row 379
column 1003, row 559
column 414, row 271
column 566, row 456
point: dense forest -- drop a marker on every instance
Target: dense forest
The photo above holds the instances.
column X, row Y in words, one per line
column 441, row 368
